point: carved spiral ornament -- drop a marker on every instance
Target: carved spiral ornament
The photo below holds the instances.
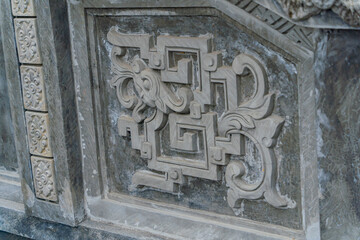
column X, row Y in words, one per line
column 148, row 80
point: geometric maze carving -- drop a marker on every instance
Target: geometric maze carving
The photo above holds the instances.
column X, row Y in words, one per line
column 175, row 78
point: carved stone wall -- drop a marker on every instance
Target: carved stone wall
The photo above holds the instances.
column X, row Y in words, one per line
column 177, row 119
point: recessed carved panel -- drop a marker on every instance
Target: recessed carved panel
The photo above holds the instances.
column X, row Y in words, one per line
column 38, row 133
column 33, row 88
column 44, row 180
column 172, row 85
column 26, row 39
column 23, row 8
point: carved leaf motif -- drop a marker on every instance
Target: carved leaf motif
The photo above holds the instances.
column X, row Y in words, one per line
column 26, row 39
column 37, row 125
column 123, row 74
column 44, row 178
column 23, row 7
column 33, row 88
column 151, row 91
column 244, row 116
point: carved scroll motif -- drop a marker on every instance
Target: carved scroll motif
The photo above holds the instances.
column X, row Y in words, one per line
column 176, row 80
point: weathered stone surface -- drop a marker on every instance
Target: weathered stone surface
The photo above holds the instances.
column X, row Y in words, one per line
column 8, row 158
column 338, row 132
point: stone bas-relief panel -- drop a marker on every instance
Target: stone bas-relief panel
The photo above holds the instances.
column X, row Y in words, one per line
column 185, row 111
column 26, row 40
column 23, row 8
column 190, row 133
column 38, row 133
column 44, row 180
column 33, row 88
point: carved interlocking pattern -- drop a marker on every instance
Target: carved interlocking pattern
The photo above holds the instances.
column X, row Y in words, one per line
column 172, row 84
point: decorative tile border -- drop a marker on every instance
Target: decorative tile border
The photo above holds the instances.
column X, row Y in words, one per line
column 23, row 8
column 33, row 88
column 44, row 181
column 34, row 99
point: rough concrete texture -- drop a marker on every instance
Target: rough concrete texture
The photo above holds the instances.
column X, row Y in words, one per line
column 338, row 134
